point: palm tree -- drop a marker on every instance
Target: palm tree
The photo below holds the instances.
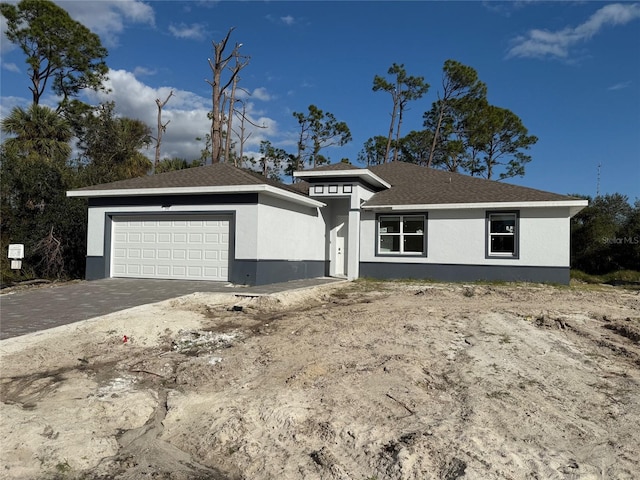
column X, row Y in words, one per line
column 38, row 133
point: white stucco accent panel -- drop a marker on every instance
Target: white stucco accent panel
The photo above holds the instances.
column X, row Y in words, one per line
column 545, row 236
column 459, row 237
column 245, row 224
column 289, row 232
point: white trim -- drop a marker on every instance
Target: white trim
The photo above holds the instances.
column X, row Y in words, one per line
column 136, row 192
column 573, row 204
column 358, row 172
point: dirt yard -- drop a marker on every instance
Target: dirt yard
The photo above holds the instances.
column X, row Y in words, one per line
column 353, row 381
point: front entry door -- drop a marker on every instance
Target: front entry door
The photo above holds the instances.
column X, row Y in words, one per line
column 340, row 247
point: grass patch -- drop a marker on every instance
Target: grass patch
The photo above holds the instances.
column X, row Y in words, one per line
column 626, row 278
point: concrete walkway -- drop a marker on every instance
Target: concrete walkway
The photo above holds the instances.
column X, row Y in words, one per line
column 36, row 309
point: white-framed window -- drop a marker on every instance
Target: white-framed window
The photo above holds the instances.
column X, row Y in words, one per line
column 502, row 234
column 401, row 234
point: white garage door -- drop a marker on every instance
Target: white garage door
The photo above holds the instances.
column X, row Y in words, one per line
column 186, row 247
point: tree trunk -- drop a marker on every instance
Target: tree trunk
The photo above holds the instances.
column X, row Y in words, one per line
column 393, row 121
column 435, row 134
column 395, row 150
column 161, row 128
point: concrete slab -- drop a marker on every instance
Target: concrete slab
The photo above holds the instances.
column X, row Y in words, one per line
column 36, row 309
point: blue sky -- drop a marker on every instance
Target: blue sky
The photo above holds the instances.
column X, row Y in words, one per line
column 569, row 70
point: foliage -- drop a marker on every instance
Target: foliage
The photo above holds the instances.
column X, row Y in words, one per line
column 34, row 208
column 318, row 130
column 403, row 89
column 38, row 132
column 374, row 151
column 272, row 160
column 497, row 138
column 61, row 53
column 111, row 147
column 415, row 147
column 172, row 164
column 605, row 236
column 461, row 88
column 470, row 135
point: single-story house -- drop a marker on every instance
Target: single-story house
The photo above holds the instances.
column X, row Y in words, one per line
column 395, row 220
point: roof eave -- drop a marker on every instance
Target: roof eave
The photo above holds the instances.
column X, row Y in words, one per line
column 366, row 175
column 142, row 192
column 574, row 206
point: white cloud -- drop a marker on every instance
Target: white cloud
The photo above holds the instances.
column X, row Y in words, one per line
column 543, row 43
column 144, row 71
column 7, row 104
column 5, row 44
column 620, row 86
column 107, row 18
column 195, row 31
column 11, row 67
column 261, row 93
column 186, row 111
column 285, row 20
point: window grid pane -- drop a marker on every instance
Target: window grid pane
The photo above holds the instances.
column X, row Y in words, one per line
column 502, row 230
column 401, row 234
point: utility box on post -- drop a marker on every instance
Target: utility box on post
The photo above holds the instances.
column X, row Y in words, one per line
column 16, row 254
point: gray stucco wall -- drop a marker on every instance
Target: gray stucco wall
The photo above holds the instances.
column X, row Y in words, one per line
column 241, row 272
column 465, row 273
column 263, row 272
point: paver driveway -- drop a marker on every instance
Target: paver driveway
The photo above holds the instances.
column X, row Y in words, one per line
column 37, row 309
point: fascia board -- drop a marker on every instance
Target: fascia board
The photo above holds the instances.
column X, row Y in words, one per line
column 572, row 204
column 293, row 197
column 372, row 177
column 139, row 192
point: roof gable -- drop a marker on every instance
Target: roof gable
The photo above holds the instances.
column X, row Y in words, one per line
column 216, row 175
column 209, row 179
column 413, row 184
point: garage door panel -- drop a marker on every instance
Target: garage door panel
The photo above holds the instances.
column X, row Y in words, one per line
column 196, row 238
column 179, row 254
column 178, row 271
column 195, row 255
column 195, row 248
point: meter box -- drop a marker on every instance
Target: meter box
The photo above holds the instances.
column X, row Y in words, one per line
column 16, row 251
column 16, row 254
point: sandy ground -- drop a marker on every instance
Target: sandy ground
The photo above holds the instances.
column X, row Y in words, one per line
column 357, row 381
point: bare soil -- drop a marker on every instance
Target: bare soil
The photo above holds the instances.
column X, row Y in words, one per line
column 359, row 381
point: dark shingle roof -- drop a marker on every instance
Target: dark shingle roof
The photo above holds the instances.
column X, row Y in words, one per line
column 334, row 166
column 216, row 175
column 410, row 184
column 415, row 185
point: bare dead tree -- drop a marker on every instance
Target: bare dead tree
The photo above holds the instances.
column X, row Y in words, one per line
column 242, row 136
column 239, row 65
column 52, row 261
column 218, row 88
column 162, row 128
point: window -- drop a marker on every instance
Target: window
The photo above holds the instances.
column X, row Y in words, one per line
column 401, row 234
column 502, row 238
